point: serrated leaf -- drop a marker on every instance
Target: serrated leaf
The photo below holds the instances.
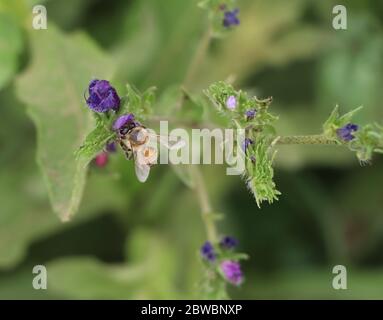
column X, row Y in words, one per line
column 137, row 103
column 52, row 87
column 260, row 178
column 335, row 121
column 94, row 142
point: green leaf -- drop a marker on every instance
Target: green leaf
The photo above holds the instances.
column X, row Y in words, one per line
column 369, row 139
column 261, row 173
column 95, row 141
column 140, row 104
column 11, row 45
column 53, row 87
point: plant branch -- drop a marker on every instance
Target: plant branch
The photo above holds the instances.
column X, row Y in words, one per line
column 316, row 139
column 204, row 202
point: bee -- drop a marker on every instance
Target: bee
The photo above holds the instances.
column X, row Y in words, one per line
column 140, row 144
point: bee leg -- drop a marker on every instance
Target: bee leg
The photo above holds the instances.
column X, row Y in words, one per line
column 129, row 155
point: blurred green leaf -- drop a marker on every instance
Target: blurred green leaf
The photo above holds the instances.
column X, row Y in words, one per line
column 11, row 44
column 349, row 75
column 53, row 88
column 149, row 272
column 315, row 284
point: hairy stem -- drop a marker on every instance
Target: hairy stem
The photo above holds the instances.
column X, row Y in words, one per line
column 309, row 139
column 204, row 202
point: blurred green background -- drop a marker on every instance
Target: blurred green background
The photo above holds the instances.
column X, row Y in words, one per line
column 130, row 240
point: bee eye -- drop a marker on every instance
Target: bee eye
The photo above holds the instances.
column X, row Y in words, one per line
column 124, row 131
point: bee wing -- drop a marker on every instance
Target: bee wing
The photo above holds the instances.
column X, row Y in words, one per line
column 142, row 169
column 175, row 144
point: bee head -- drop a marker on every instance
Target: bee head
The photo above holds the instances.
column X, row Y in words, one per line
column 128, row 127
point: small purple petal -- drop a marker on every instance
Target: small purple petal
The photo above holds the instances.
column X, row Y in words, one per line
column 345, row 133
column 231, row 18
column 207, row 251
column 228, row 242
column 92, row 84
column 250, row 114
column 111, row 147
column 232, row 272
column 231, row 103
column 122, row 121
column 246, row 143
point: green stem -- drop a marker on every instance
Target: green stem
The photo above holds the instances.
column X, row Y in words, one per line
column 195, row 172
column 309, row 139
column 204, row 202
column 198, row 57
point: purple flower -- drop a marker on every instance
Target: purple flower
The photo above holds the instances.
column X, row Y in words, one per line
column 246, row 143
column 123, row 121
column 207, row 251
column 250, row 114
column 102, row 96
column 231, row 103
column 232, row 272
column 111, row 147
column 345, row 133
column 228, row 242
column 230, row 18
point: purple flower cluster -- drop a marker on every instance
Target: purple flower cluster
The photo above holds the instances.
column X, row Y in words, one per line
column 232, row 272
column 102, row 96
column 346, row 132
column 231, row 18
column 207, row 251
